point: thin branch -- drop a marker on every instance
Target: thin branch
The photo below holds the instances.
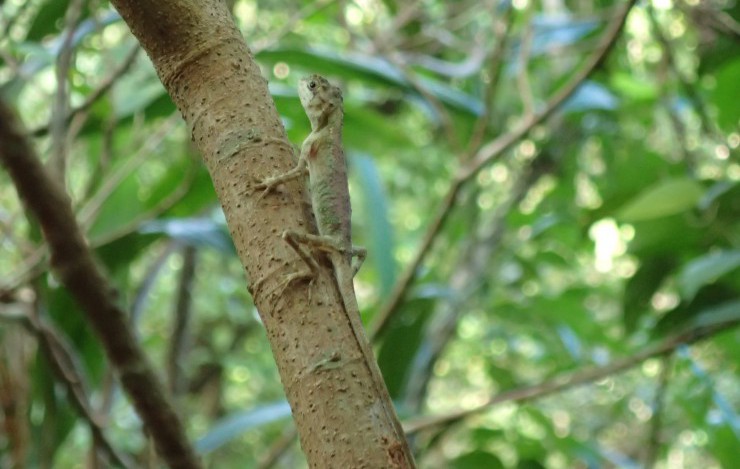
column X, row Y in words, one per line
column 439, row 109
column 60, row 104
column 75, row 268
column 278, row 448
column 92, row 207
column 153, row 271
column 502, row 29
column 486, row 155
column 178, row 343
column 691, row 92
column 32, row 267
column 35, row 264
column 658, row 408
column 98, row 93
column 568, row 381
column 523, row 83
column 64, row 364
column 475, row 261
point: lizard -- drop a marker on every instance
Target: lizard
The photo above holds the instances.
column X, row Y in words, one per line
column 322, row 157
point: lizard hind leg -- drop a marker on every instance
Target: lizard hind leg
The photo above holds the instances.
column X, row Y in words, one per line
column 294, row 241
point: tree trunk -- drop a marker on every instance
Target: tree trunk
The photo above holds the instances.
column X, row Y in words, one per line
column 204, row 63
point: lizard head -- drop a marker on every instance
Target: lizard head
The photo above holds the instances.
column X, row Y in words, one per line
column 320, row 99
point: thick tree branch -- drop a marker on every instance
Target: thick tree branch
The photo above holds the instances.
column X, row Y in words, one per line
column 73, row 265
column 209, row 73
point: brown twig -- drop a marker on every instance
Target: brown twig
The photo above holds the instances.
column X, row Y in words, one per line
column 75, row 268
column 486, row 155
column 178, row 343
column 568, row 381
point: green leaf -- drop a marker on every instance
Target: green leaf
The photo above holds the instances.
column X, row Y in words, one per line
column 662, row 199
column 476, row 460
column 47, row 19
column 380, row 232
column 138, row 197
column 712, row 303
column 234, row 425
column 723, row 443
column 725, row 313
column 633, row 88
column 136, row 91
column 372, row 70
column 640, row 289
column 401, row 343
column 726, row 95
column 705, row 270
column 660, row 237
column 193, row 232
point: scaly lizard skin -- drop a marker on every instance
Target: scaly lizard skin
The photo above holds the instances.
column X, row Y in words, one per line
column 322, row 155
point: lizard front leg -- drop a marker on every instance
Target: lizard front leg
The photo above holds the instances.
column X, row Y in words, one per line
column 300, row 169
column 268, row 184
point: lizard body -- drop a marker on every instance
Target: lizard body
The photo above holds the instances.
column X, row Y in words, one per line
column 322, row 156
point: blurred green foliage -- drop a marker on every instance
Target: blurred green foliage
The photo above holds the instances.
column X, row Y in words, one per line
column 610, row 226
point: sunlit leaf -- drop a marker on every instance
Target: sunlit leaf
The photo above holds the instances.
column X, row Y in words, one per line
column 662, row 199
column 633, row 88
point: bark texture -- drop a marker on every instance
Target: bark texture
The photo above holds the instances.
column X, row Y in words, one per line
column 211, row 76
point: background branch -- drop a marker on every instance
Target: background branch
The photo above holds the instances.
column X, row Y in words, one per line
column 73, row 264
column 564, row 382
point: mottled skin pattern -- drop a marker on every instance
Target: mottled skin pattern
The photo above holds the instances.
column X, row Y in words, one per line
column 322, row 156
column 327, row 166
